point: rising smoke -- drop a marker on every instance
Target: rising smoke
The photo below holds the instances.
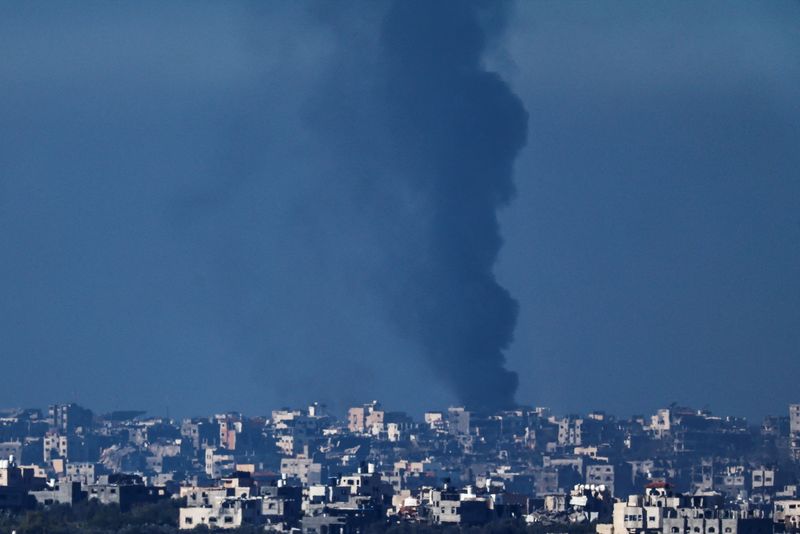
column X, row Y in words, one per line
column 410, row 155
column 455, row 129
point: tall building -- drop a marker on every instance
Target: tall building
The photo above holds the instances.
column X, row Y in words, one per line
column 66, row 418
column 358, row 417
column 794, row 419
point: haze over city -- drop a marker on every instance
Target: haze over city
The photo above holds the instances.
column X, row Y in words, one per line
column 242, row 206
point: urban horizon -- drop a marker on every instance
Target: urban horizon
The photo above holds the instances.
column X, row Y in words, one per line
column 400, row 267
column 377, row 470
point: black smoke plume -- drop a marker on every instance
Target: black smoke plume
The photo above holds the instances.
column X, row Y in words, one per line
column 407, row 154
column 454, row 129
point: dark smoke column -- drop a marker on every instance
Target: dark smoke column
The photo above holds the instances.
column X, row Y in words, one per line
column 455, row 130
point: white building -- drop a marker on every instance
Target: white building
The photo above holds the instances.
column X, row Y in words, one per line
column 786, row 514
column 794, row 419
column 659, row 511
column 225, row 513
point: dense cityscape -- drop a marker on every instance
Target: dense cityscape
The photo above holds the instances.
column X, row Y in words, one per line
column 678, row 471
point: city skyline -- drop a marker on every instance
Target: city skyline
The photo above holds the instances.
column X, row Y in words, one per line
column 378, row 470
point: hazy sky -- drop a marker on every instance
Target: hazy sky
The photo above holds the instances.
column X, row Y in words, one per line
column 181, row 226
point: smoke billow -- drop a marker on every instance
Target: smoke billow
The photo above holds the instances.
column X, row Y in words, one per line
column 392, row 172
column 454, row 129
column 398, row 159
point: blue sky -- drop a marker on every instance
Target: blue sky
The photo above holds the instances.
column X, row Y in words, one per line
column 181, row 226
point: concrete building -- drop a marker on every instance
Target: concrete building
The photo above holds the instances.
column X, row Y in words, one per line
column 67, row 418
column 20, row 476
column 200, row 433
column 306, row 470
column 794, row 419
column 590, row 502
column 450, row 507
column 360, row 418
column 762, row 479
column 225, row 513
column 601, row 474
column 15, row 484
column 282, row 504
column 60, row 493
column 124, row 491
column 660, row 511
column 661, row 423
column 10, row 449
column 794, row 430
column 786, row 515
column 570, row 432
column 218, row 462
column 81, row 472
column 324, row 524
column 458, row 420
